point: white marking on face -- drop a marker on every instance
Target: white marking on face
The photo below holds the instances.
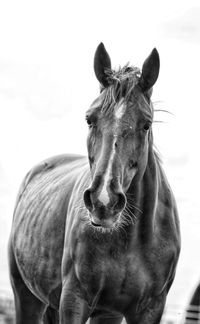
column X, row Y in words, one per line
column 104, row 195
column 120, row 110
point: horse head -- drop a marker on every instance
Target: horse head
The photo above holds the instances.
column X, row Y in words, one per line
column 120, row 135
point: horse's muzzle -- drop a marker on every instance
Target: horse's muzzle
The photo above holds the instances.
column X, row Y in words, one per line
column 101, row 215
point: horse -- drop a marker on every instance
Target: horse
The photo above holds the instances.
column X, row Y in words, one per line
column 96, row 238
column 193, row 309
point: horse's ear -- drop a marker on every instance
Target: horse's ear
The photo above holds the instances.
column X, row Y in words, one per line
column 150, row 71
column 101, row 63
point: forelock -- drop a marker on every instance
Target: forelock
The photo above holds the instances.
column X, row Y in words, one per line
column 121, row 84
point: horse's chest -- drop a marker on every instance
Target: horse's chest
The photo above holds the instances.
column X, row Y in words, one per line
column 116, row 281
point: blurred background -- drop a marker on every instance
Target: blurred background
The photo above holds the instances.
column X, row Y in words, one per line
column 47, row 83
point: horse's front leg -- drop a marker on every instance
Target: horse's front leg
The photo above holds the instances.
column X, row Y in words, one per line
column 73, row 308
column 151, row 315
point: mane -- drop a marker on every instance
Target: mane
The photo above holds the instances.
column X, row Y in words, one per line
column 121, row 83
column 157, row 154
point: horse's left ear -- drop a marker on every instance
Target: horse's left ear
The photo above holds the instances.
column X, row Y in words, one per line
column 101, row 63
column 150, row 71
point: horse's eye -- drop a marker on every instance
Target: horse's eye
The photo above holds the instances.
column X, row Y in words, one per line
column 146, row 127
column 91, row 160
column 89, row 122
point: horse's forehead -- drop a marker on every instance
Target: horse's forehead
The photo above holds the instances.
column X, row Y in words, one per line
column 122, row 110
column 122, row 120
column 126, row 112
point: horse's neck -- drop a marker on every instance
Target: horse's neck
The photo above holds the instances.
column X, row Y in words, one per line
column 146, row 196
column 150, row 181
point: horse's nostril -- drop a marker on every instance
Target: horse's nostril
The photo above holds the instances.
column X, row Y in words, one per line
column 87, row 200
column 121, row 202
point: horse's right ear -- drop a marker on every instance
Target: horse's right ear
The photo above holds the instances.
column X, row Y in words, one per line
column 101, row 63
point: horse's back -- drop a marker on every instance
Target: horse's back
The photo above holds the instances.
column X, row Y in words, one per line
column 38, row 229
column 55, row 163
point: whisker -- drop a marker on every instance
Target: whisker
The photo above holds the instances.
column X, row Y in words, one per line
column 125, row 222
column 157, row 102
column 159, row 121
column 131, row 204
column 163, row 110
column 120, row 227
column 129, row 210
column 127, row 219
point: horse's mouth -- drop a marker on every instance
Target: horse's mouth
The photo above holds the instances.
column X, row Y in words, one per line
column 108, row 223
column 96, row 225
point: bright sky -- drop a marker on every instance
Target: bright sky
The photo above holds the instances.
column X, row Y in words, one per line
column 47, row 83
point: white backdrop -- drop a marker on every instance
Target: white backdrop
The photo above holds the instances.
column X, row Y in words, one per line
column 47, row 83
